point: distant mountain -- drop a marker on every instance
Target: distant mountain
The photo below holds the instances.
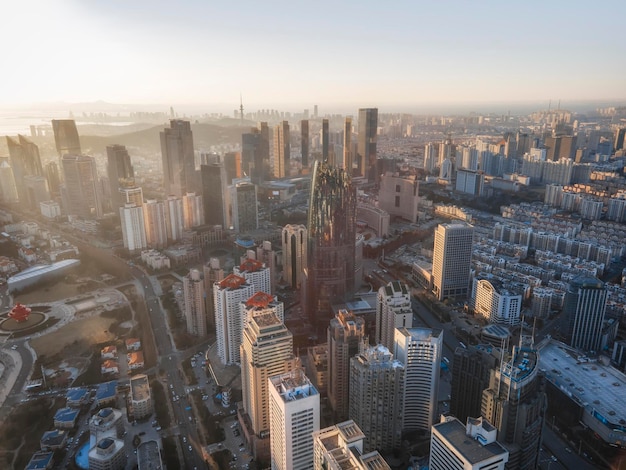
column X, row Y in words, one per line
column 204, row 135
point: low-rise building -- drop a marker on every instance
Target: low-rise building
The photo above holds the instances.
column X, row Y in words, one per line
column 40, row 461
column 109, row 367
column 135, row 360
column 53, row 440
column 107, row 454
column 76, row 397
column 140, row 396
column 108, row 352
column 65, row 418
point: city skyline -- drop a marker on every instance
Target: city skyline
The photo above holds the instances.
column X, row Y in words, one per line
column 410, row 55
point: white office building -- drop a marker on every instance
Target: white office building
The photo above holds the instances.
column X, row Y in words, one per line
column 393, row 310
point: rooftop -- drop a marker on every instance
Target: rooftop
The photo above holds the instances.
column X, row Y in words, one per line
column 232, row 281
column 471, row 449
column 140, row 388
column 250, row 265
column 260, row 299
column 598, row 388
column 76, row 394
column 39, row 460
column 106, row 390
column 294, row 385
column 148, row 456
column 66, row 415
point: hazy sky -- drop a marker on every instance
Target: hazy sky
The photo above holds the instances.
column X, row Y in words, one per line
column 277, row 53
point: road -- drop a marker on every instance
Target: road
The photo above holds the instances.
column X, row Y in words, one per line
column 169, row 362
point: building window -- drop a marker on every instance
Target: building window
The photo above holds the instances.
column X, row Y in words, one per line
column 397, row 201
column 397, row 188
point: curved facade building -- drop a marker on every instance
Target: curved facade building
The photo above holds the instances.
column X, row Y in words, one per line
column 34, row 274
column 330, row 275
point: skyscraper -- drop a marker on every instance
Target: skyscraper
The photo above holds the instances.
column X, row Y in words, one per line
column 243, row 198
column 495, row 303
column 249, row 148
column 133, row 227
column 304, row 142
column 294, row 241
column 471, row 371
column 25, row 161
column 214, row 193
column 266, row 254
column 619, row 139
column 66, row 137
column 8, row 190
column 393, row 310
column 331, row 242
column 583, row 313
column 155, row 221
column 81, row 186
column 118, row 168
column 454, row 446
column 419, row 349
column 294, row 417
column 262, row 157
column 266, row 351
column 232, row 164
column 341, row 447
column 282, row 150
column 193, row 293
column 348, row 160
column 452, row 256
column 515, row 403
column 179, row 167
column 325, row 140
column 376, row 397
column 51, row 172
column 366, row 143
column 36, row 190
column 345, row 333
column 227, row 297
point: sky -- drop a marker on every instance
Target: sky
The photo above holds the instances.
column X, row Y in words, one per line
column 279, row 54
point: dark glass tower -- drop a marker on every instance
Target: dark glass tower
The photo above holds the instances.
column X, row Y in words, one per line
column 515, row 403
column 179, row 166
column 118, row 168
column 366, row 143
column 583, row 313
column 25, row 161
column 331, row 242
column 471, row 370
column 213, row 190
column 66, row 137
column 325, row 140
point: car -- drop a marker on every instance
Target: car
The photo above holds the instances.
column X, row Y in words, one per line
column 568, row 450
column 241, row 449
column 14, row 347
column 190, row 449
column 184, row 439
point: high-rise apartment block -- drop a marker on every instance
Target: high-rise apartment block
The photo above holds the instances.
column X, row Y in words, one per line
column 515, row 403
column 377, row 397
column 36, row 191
column 193, row 210
column 282, row 150
column 155, row 222
column 399, row 195
column 294, row 243
column 583, row 313
column 179, row 166
column 227, row 297
column 452, row 256
column 341, row 447
column 366, row 143
column 266, row 351
column 193, row 295
column 393, row 310
column 345, row 333
column 256, row 273
column 119, row 168
column 420, row 350
column 133, row 228
column 325, row 138
column 294, row 417
column 8, row 189
column 454, row 446
column 175, row 217
column 330, row 272
column 82, row 196
column 266, row 255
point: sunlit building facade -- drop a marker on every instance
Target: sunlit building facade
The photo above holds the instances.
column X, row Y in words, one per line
column 179, row 167
column 294, row 242
column 82, row 196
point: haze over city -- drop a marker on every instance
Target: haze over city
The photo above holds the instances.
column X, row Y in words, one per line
column 404, row 56
column 308, row 236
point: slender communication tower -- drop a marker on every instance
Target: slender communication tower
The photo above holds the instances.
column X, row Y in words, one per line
column 241, row 109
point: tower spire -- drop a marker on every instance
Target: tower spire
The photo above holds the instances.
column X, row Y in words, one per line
column 241, row 108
